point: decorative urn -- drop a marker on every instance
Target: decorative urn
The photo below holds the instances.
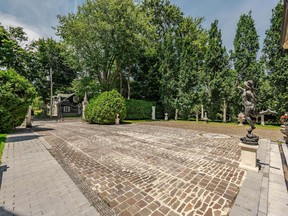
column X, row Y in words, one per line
column 241, row 118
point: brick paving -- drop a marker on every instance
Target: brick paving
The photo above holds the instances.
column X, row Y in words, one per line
column 35, row 184
column 151, row 170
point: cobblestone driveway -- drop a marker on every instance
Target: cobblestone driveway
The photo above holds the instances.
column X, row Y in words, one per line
column 151, row 170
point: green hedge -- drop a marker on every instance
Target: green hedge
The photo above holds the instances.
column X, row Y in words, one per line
column 139, row 109
column 104, row 108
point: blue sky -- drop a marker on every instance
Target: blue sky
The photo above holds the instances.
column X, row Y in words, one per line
column 38, row 16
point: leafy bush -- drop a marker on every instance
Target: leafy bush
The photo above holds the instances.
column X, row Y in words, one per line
column 139, row 109
column 16, row 94
column 104, row 108
column 6, row 121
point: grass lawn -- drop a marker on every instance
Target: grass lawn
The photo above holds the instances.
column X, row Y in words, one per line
column 2, row 142
column 263, row 131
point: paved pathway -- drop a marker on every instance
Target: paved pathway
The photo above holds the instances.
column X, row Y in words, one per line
column 264, row 193
column 34, row 183
column 150, row 170
column 137, row 170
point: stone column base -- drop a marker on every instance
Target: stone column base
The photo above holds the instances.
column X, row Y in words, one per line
column 248, row 157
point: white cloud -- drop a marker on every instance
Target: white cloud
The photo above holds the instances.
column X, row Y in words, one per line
column 37, row 17
column 8, row 20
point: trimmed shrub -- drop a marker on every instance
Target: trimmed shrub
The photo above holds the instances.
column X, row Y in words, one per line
column 104, row 108
column 139, row 109
column 16, row 94
column 6, row 121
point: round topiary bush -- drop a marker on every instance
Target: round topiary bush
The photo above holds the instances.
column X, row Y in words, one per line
column 6, row 121
column 104, row 108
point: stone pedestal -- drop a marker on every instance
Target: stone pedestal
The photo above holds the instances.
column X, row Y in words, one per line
column 153, row 112
column 166, row 117
column 205, row 117
column 84, row 104
column 29, row 118
column 249, row 157
column 262, row 120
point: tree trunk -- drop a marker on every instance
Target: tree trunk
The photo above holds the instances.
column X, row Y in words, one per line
column 120, row 78
column 128, row 82
column 202, row 112
column 224, row 111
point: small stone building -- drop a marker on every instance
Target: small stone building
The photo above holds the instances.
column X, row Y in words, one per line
column 66, row 105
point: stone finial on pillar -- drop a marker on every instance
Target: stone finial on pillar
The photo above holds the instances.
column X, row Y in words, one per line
column 117, row 120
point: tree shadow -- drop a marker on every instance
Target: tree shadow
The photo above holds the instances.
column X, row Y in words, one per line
column 6, row 212
column 3, row 168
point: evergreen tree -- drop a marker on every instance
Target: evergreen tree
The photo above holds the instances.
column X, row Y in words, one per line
column 192, row 49
column 158, row 69
column 246, row 46
column 216, row 74
column 276, row 63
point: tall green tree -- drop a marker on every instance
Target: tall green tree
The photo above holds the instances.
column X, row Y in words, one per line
column 48, row 55
column 158, row 67
column 276, row 63
column 105, row 38
column 217, row 76
column 246, row 46
column 192, row 49
column 12, row 54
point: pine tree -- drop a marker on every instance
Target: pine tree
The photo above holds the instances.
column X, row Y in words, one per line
column 216, row 74
column 246, row 46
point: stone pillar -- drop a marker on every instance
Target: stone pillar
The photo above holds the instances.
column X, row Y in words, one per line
column 205, row 118
column 153, row 112
column 202, row 112
column 197, row 116
column 262, row 119
column 28, row 118
column 224, row 111
column 248, row 157
column 117, row 120
column 176, row 114
column 84, row 104
column 166, row 117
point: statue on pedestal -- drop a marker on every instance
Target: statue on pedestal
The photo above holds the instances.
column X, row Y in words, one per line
column 249, row 100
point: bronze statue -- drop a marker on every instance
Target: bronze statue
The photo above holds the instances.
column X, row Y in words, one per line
column 249, row 100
